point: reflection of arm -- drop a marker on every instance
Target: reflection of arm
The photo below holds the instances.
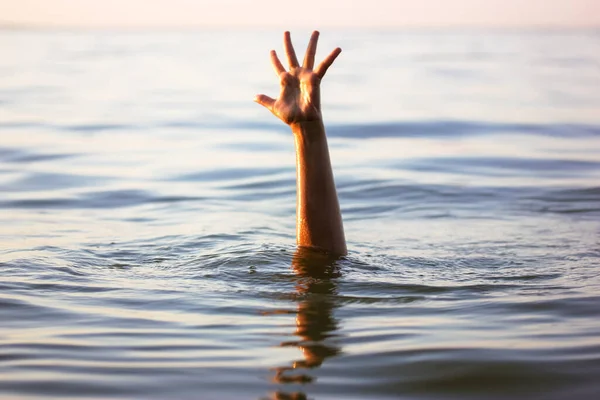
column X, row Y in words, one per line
column 319, row 222
column 315, row 323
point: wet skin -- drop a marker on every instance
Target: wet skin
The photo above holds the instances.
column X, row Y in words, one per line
column 318, row 218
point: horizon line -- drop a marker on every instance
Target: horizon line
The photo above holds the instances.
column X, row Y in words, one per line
column 6, row 25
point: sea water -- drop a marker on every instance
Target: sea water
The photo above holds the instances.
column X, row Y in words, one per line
column 147, row 218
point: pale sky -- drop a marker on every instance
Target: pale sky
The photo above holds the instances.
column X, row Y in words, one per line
column 302, row 13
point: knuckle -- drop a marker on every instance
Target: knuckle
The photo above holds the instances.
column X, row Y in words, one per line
column 285, row 78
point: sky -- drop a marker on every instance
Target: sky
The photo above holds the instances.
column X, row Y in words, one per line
column 302, row 13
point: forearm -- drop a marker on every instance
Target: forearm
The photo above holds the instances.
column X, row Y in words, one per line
column 318, row 217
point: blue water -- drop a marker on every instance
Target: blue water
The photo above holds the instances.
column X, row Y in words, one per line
column 147, row 218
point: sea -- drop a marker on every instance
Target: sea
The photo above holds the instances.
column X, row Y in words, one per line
column 147, row 217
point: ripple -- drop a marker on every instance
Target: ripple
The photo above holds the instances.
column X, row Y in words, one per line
column 230, row 174
column 503, row 166
column 108, row 199
column 455, row 129
column 12, row 155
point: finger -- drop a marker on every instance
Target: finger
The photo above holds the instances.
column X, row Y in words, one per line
column 277, row 66
column 265, row 101
column 326, row 63
column 289, row 50
column 311, row 51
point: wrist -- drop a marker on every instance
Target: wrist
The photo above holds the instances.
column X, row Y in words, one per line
column 309, row 130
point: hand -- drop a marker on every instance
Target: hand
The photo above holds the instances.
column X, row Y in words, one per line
column 299, row 99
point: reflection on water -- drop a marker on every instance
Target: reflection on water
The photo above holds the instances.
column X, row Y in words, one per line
column 315, row 323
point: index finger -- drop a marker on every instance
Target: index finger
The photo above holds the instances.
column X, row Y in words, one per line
column 276, row 63
column 289, row 50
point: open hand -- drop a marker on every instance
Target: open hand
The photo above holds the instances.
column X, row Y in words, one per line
column 299, row 99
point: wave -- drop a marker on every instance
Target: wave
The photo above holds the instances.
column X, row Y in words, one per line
column 424, row 128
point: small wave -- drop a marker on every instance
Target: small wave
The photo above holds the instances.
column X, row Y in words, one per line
column 98, row 127
column 228, row 174
column 100, row 199
column 564, row 201
column 41, row 181
column 399, row 129
column 11, row 155
column 453, row 129
column 502, row 166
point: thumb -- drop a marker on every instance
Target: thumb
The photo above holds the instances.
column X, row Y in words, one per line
column 265, row 101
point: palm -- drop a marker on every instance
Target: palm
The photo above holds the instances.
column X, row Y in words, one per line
column 299, row 96
column 299, row 99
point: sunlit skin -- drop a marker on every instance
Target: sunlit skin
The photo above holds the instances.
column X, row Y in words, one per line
column 318, row 218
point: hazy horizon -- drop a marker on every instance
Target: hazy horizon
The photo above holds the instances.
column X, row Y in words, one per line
column 324, row 14
column 8, row 25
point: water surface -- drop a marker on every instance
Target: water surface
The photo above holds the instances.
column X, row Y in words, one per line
column 147, row 219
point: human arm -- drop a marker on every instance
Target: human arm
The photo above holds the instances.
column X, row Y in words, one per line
column 318, row 218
